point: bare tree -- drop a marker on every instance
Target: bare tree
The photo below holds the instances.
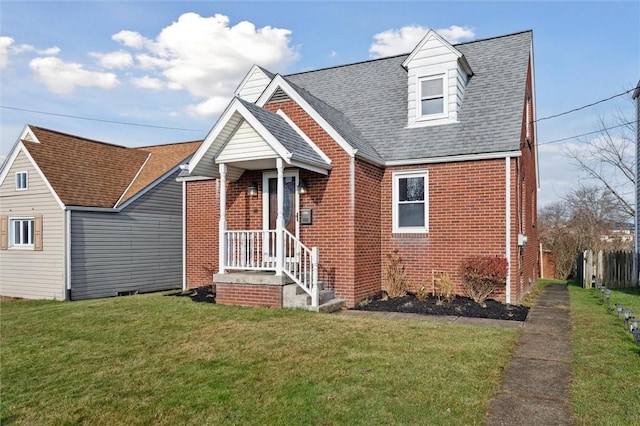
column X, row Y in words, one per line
column 587, row 218
column 608, row 160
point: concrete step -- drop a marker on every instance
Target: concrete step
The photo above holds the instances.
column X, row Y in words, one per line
column 328, row 302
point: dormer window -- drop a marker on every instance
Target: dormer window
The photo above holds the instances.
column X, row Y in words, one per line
column 22, row 181
column 432, row 95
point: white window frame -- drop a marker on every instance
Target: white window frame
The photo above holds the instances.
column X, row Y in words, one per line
column 12, row 235
column 19, row 181
column 445, row 96
column 396, row 203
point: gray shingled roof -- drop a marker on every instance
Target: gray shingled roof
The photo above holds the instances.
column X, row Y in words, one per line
column 285, row 134
column 366, row 103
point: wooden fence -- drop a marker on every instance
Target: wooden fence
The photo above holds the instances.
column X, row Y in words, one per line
column 616, row 269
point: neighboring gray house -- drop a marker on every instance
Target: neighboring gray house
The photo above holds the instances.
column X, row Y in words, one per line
column 83, row 219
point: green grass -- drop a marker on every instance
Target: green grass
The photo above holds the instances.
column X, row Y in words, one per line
column 605, row 385
column 152, row 359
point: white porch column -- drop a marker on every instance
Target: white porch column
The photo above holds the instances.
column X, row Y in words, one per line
column 280, row 219
column 222, row 246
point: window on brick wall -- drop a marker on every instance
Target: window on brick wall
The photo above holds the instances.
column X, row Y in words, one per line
column 411, row 202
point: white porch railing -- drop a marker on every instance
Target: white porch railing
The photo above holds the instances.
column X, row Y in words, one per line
column 256, row 250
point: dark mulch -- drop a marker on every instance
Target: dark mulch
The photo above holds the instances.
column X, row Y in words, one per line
column 460, row 306
column 200, row 294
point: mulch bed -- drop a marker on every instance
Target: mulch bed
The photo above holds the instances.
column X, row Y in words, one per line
column 460, row 306
column 200, row 294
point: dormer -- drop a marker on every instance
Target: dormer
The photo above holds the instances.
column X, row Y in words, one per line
column 437, row 74
column 254, row 83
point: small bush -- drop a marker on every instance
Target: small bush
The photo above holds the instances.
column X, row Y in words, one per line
column 394, row 281
column 444, row 288
column 422, row 294
column 482, row 275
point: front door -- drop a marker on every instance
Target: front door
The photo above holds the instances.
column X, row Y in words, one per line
column 290, row 208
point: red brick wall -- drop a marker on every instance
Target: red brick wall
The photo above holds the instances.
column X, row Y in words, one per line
column 528, row 255
column 329, row 197
column 466, row 217
column 202, row 217
column 367, row 230
column 249, row 295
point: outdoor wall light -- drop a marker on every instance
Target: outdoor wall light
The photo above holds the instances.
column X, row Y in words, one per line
column 252, row 189
column 302, row 187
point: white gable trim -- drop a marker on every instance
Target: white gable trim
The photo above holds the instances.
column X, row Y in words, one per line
column 279, row 82
column 432, row 34
column 19, row 147
column 248, row 78
column 293, row 125
column 236, row 107
column 133, row 180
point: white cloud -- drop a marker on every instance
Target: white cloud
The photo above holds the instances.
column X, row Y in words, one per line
column 130, row 39
column 148, row 82
column 333, row 54
column 393, row 42
column 5, row 42
column 114, row 60
column 50, row 51
column 208, row 57
column 63, row 77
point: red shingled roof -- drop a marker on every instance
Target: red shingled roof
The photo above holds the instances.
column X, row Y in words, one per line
column 89, row 173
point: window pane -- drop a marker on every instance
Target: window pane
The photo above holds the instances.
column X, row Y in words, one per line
column 411, row 214
column 432, row 106
column 411, row 189
column 25, row 232
column 431, row 88
column 31, row 231
column 16, row 232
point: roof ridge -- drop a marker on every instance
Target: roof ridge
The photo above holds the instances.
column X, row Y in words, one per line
column 76, row 136
column 167, row 144
column 403, row 54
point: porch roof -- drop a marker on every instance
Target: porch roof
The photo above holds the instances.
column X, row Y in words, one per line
column 248, row 137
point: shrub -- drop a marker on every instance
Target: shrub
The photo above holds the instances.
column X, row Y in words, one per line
column 394, row 281
column 444, row 288
column 422, row 294
column 482, row 275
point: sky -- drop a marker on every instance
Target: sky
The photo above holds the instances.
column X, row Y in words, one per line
column 139, row 73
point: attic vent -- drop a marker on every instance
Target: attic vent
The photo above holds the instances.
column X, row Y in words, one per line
column 279, row 96
column 29, row 137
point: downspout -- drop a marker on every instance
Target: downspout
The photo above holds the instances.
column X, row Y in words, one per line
column 508, row 228
column 184, row 235
column 67, row 250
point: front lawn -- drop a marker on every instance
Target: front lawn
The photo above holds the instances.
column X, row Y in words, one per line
column 155, row 359
column 606, row 363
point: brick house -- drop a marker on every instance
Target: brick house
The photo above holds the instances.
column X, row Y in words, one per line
column 308, row 181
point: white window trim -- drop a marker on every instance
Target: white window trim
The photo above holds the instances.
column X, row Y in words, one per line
column 445, row 96
column 396, row 176
column 26, row 181
column 11, row 233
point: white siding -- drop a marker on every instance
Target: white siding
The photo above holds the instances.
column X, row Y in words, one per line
column 27, row 273
column 138, row 249
column 246, row 144
column 435, row 58
column 253, row 85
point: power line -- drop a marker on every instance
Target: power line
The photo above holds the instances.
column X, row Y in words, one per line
column 584, row 106
column 586, row 134
column 100, row 120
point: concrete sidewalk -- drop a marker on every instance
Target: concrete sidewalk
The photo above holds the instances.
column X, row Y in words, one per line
column 535, row 388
